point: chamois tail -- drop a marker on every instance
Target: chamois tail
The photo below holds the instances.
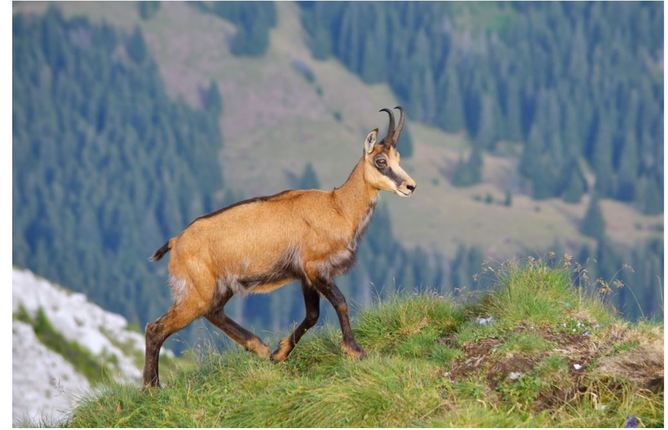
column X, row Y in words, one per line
column 164, row 249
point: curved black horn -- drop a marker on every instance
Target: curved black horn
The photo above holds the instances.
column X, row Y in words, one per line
column 387, row 140
column 400, row 127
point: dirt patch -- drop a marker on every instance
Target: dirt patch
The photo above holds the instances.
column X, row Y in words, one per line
column 642, row 365
column 477, row 356
column 578, row 349
column 511, row 367
column 583, row 353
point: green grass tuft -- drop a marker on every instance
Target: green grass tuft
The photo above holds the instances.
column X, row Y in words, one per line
column 430, row 363
column 524, row 342
column 539, row 296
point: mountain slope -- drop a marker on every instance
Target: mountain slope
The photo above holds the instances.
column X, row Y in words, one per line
column 275, row 120
column 49, row 389
column 71, row 344
column 535, row 352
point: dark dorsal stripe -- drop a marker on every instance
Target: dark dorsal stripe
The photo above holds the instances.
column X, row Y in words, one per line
column 242, row 202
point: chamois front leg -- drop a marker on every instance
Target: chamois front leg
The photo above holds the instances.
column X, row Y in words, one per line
column 335, row 297
column 312, row 304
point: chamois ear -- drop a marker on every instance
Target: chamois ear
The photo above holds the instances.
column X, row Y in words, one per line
column 370, row 141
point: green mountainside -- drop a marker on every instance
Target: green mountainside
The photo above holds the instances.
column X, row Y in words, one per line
column 535, row 352
column 571, row 81
column 130, row 120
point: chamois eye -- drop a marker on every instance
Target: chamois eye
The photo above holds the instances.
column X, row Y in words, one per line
column 381, row 163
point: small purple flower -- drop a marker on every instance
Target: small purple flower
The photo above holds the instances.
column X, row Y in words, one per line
column 631, row 422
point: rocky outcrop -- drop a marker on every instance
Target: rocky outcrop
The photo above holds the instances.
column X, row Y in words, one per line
column 45, row 384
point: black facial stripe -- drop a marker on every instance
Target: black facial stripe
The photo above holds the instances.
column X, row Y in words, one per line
column 387, row 171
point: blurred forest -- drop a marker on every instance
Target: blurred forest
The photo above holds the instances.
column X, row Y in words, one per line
column 107, row 166
column 535, row 79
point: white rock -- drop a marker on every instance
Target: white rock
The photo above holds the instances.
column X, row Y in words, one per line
column 485, row 321
column 77, row 319
column 577, row 366
column 47, row 391
column 36, row 368
column 513, row 376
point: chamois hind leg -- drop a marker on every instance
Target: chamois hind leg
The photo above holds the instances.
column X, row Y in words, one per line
column 335, row 297
column 179, row 315
column 312, row 304
column 237, row 333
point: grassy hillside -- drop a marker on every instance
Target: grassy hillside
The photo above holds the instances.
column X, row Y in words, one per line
column 537, row 351
column 275, row 120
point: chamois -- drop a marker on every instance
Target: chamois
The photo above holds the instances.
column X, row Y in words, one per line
column 261, row 244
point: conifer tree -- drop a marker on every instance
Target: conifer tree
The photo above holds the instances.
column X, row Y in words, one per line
column 468, row 172
column 575, row 184
column 571, row 133
column 458, row 269
column 602, row 158
column 578, row 52
column 486, row 134
column 371, row 64
column 452, row 113
column 414, row 91
column 649, row 197
column 508, row 198
column 309, row 179
column 593, row 224
column 211, row 99
column 428, row 105
column 628, row 168
column 147, row 9
column 531, row 153
column 514, row 111
column 136, row 47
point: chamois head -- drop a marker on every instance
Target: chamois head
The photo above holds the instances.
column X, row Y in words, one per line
column 381, row 167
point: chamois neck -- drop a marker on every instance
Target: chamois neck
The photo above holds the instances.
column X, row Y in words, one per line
column 356, row 197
